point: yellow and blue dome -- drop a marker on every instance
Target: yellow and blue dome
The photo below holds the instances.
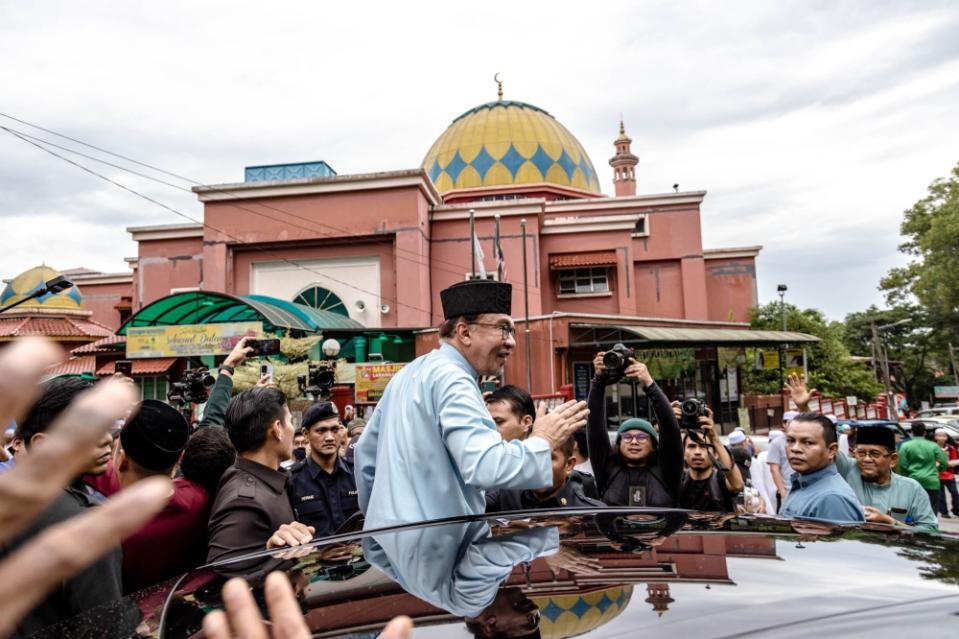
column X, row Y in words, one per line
column 508, row 143
column 572, row 615
column 26, row 283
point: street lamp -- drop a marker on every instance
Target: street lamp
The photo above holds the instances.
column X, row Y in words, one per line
column 781, row 289
column 331, row 348
column 54, row 286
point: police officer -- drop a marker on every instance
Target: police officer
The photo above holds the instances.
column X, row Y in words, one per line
column 322, row 484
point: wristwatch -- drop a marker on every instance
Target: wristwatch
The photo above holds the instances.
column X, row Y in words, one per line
column 226, row 368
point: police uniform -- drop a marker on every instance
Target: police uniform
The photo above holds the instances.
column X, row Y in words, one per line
column 321, row 499
column 571, row 495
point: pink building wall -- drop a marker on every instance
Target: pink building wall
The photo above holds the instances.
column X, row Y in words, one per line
column 101, row 299
column 731, row 283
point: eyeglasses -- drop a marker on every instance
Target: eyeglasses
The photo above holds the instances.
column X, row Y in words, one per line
column 870, row 454
column 507, row 330
column 635, row 437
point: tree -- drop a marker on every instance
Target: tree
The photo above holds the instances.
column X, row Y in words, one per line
column 831, row 368
column 909, row 341
column 931, row 232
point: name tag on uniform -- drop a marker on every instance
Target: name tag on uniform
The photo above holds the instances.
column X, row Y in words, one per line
column 351, row 493
column 307, row 497
column 637, row 495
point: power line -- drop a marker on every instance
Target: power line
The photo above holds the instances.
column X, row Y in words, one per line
column 457, row 270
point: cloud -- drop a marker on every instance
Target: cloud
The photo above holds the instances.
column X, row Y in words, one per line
column 811, row 125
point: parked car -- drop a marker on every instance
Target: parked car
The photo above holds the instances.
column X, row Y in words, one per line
column 614, row 572
column 902, row 433
column 939, row 411
column 932, row 423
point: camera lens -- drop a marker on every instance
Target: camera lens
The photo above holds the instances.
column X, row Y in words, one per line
column 612, row 360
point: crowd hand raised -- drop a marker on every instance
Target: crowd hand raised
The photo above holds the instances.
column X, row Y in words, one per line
column 796, row 386
column 242, row 618
column 638, row 370
column 559, row 425
column 38, row 478
column 572, row 560
column 598, row 364
column 708, row 426
column 291, row 534
column 241, row 351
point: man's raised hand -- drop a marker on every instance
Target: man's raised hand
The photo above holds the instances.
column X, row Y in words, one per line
column 559, row 425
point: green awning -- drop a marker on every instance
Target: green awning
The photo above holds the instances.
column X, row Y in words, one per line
column 595, row 334
column 207, row 307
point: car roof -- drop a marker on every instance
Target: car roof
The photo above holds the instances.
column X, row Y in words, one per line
column 649, row 564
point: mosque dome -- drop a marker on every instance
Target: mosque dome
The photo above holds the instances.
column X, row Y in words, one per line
column 507, row 143
column 29, row 281
column 563, row 616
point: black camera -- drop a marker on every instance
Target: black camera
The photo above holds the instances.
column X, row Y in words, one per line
column 193, row 387
column 615, row 361
column 691, row 410
column 318, row 382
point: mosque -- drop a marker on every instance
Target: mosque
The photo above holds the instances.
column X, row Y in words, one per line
column 363, row 257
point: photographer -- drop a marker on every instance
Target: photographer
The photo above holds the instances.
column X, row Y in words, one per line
column 711, row 480
column 646, row 467
column 215, row 409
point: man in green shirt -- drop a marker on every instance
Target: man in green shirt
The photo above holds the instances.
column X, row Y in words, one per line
column 922, row 459
column 888, row 498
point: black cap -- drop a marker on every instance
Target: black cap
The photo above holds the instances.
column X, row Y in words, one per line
column 475, row 297
column 155, row 436
column 317, row 412
column 877, row 436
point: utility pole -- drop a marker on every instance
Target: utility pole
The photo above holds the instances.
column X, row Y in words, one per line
column 884, row 360
column 955, row 369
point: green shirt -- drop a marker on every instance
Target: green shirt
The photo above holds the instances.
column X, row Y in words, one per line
column 921, row 459
column 902, row 498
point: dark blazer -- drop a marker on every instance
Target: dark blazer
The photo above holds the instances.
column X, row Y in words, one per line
column 250, row 505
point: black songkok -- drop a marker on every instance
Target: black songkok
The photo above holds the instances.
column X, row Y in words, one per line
column 155, row 436
column 475, row 297
column 876, row 436
column 317, row 412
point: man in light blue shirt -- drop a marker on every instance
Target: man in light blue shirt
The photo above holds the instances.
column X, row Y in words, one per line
column 431, row 449
column 818, row 491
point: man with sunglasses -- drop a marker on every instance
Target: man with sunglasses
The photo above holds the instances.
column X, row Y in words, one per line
column 431, row 449
column 888, row 498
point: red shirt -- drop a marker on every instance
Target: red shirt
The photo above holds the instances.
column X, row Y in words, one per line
column 952, row 453
column 171, row 543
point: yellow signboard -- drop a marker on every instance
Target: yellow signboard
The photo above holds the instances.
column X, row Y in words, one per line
column 190, row 340
column 794, row 361
column 767, row 359
column 371, row 381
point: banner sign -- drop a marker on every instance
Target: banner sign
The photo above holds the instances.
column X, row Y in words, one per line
column 767, row 360
column 371, row 381
column 668, row 363
column 731, row 357
column 189, row 340
column 582, row 374
column 946, row 392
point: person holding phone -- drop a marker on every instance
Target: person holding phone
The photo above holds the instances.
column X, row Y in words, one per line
column 215, row 410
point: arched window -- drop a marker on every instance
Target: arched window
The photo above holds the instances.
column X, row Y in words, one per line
column 323, row 299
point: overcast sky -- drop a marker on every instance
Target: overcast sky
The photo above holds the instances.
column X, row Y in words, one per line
column 812, row 125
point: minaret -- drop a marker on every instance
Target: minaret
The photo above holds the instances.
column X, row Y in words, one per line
column 658, row 597
column 624, row 165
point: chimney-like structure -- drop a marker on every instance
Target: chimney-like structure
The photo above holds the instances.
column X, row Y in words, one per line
column 624, row 165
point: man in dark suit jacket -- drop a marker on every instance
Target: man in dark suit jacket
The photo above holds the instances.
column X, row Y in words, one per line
column 252, row 509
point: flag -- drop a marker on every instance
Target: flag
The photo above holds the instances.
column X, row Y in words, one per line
column 478, row 255
column 498, row 255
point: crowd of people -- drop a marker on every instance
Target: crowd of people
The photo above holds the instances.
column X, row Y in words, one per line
column 246, row 479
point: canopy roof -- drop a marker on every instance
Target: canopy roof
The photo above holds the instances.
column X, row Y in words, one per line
column 208, row 307
column 593, row 334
